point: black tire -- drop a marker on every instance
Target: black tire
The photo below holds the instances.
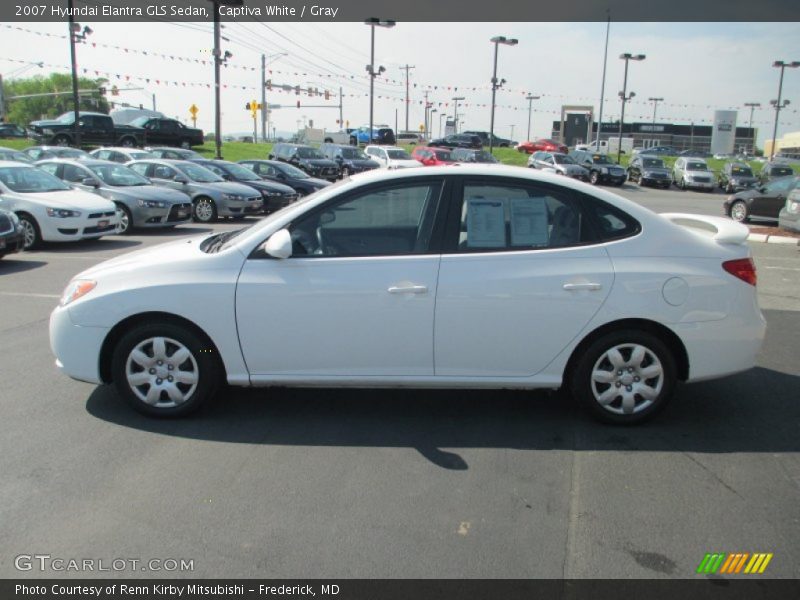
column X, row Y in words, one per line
column 683, row 185
column 62, row 140
column 328, row 140
column 353, row 141
column 594, row 177
column 583, row 387
column 125, row 226
column 203, row 364
column 186, row 144
column 199, row 212
column 127, row 142
column 740, row 212
column 33, row 235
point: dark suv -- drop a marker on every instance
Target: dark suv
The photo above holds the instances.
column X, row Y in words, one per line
column 774, row 170
column 497, row 141
column 601, row 168
column 472, row 156
column 349, row 159
column 458, row 140
column 307, row 158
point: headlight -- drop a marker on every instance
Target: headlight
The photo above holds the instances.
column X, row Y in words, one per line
column 151, row 203
column 47, row 131
column 268, row 194
column 62, row 213
column 793, row 206
column 76, row 289
column 604, row 170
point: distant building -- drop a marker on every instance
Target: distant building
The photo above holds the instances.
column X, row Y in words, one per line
column 788, row 144
column 680, row 137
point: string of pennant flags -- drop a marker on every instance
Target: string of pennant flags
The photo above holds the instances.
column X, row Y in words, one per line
column 128, row 78
column 423, row 87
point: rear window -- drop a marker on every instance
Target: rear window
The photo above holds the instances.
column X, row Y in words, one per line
column 611, row 223
column 781, row 171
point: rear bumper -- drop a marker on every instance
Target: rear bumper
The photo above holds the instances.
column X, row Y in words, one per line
column 789, row 221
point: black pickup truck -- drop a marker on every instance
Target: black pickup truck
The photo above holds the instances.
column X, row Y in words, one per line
column 160, row 131
column 96, row 129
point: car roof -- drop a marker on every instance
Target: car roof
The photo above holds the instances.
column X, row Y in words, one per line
column 13, row 163
column 119, row 149
column 79, row 163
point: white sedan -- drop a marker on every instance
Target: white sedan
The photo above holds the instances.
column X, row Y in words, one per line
column 476, row 277
column 50, row 210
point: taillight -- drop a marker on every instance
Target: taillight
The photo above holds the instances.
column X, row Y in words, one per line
column 743, row 268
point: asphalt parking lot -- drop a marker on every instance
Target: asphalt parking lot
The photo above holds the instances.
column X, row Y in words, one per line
column 393, row 483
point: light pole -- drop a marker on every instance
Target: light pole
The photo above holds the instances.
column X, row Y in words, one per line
column 264, row 109
column 441, row 116
column 407, row 68
column 777, row 103
column 497, row 40
column 530, row 98
column 752, row 106
column 512, row 132
column 655, row 102
column 430, row 120
column 374, row 22
column 75, row 35
column 627, row 57
column 455, row 112
column 603, row 84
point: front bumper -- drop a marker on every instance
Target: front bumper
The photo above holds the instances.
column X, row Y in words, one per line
column 76, row 348
column 789, row 221
column 238, row 208
column 701, row 185
column 274, row 203
column 73, row 229
column 12, row 242
column 162, row 217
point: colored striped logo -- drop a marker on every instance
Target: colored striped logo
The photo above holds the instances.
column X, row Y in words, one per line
column 734, row 563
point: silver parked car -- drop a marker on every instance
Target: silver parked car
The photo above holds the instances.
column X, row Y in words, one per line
column 211, row 195
column 139, row 203
column 556, row 162
column 121, row 155
column 691, row 172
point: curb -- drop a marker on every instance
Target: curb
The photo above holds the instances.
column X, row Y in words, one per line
column 773, row 239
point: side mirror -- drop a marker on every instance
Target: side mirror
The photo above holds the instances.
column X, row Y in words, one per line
column 90, row 182
column 181, row 178
column 279, row 244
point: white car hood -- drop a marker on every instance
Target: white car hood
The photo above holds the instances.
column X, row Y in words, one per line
column 70, row 199
column 399, row 162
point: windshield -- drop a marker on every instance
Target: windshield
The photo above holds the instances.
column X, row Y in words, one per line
column 140, row 155
column 69, row 153
column 602, row 159
column 292, row 171
column 139, row 121
column 309, row 153
column 118, row 175
column 241, row 173
column 16, row 156
column 696, row 166
column 353, row 153
column 781, row 171
column 741, row 171
column 66, row 118
column 398, row 154
column 199, row 174
column 653, row 162
column 28, row 180
column 562, row 159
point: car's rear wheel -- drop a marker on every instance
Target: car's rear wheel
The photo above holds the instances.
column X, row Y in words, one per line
column 353, row 141
column 165, row 370
column 594, row 177
column 31, row 231
column 186, row 145
column 61, row 140
column 204, row 210
column 127, row 142
column 739, row 211
column 624, row 377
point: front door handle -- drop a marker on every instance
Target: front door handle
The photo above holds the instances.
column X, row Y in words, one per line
column 583, row 286
column 408, row 289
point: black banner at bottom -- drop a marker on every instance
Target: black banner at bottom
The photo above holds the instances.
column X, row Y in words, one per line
column 404, row 589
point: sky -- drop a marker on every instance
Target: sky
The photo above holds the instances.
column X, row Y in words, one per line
column 695, row 67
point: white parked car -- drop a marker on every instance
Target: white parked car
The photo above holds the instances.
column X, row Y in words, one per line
column 689, row 172
column 391, row 157
column 50, row 210
column 476, row 277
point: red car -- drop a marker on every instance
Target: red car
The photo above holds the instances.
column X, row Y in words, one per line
column 542, row 146
column 432, row 157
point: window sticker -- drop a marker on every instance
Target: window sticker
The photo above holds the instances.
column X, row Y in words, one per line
column 486, row 224
column 529, row 223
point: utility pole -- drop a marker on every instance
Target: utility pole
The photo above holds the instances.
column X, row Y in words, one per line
column 75, row 98
column 530, row 98
column 407, row 68
column 263, row 99
column 217, row 106
column 455, row 112
column 154, row 102
column 777, row 103
column 655, row 102
column 603, row 85
column 2, row 102
column 752, row 106
column 341, row 113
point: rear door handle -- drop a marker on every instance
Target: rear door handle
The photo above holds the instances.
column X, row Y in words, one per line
column 408, row 289
column 583, row 286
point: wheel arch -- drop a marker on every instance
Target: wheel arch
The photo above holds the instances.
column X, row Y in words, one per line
column 121, row 328
column 665, row 334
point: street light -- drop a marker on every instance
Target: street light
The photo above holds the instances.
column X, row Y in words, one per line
column 655, row 102
column 430, row 120
column 455, row 112
column 530, row 98
column 75, row 36
column 441, row 116
column 624, row 97
column 752, row 106
column 264, row 108
column 374, row 22
column 777, row 103
column 497, row 40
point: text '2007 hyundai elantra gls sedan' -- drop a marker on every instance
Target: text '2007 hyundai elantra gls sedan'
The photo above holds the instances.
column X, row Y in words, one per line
column 477, row 277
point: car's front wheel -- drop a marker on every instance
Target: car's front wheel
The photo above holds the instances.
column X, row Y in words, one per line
column 594, row 177
column 205, row 211
column 125, row 219
column 739, row 211
column 624, row 377
column 165, row 369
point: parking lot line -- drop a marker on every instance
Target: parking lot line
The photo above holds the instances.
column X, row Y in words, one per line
column 29, row 295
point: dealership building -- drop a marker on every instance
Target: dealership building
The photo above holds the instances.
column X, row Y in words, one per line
column 721, row 137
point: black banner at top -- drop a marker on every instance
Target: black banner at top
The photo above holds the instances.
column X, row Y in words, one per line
column 400, row 10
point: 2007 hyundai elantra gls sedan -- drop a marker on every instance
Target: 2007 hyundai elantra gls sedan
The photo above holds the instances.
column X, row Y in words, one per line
column 469, row 277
